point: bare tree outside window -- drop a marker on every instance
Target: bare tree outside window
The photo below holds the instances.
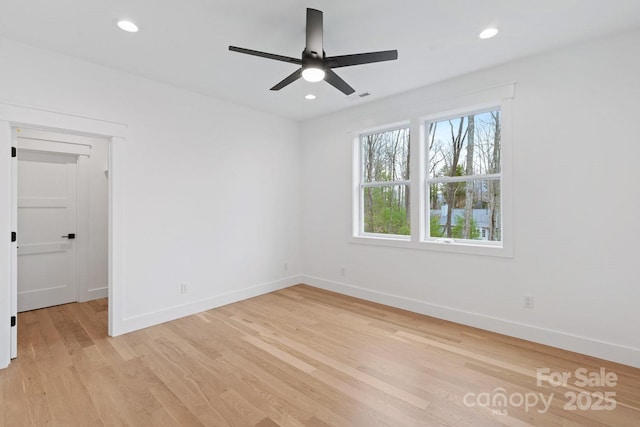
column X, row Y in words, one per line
column 463, row 177
column 385, row 182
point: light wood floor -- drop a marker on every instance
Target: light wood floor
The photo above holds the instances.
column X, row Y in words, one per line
column 297, row 357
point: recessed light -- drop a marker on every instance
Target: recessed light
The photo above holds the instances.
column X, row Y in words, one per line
column 310, row 96
column 127, row 26
column 487, row 33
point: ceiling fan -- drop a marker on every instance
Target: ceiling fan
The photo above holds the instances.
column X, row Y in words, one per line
column 315, row 65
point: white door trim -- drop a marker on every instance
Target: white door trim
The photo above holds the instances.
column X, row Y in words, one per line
column 42, row 146
column 12, row 115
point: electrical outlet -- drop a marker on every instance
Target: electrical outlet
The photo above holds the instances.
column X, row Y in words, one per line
column 343, row 271
column 527, row 301
column 286, row 266
column 184, row 288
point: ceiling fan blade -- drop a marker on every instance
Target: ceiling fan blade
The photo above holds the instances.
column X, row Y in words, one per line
column 314, row 34
column 360, row 58
column 334, row 80
column 290, row 79
column 266, row 55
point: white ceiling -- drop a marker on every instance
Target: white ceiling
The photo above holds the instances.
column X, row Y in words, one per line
column 185, row 42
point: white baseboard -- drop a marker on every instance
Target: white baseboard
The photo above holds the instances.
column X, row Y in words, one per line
column 579, row 344
column 134, row 323
column 96, row 293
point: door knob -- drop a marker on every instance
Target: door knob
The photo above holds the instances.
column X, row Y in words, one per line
column 69, row 236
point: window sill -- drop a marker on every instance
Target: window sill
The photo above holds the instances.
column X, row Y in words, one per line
column 436, row 246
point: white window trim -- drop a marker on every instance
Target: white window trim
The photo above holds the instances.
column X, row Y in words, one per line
column 361, row 185
column 495, row 97
column 424, row 232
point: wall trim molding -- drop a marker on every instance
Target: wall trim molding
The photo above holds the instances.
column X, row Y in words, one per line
column 52, row 120
column 95, row 293
column 130, row 324
column 563, row 340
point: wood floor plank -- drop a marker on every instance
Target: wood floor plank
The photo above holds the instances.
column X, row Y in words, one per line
column 68, row 399
column 296, row 357
column 15, row 411
column 290, row 400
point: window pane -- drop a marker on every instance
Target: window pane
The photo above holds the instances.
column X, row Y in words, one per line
column 468, row 145
column 465, row 210
column 386, row 210
column 385, row 156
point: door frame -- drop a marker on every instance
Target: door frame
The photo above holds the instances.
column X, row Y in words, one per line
column 11, row 117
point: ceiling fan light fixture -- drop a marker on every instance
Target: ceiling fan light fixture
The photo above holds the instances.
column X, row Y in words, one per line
column 313, row 74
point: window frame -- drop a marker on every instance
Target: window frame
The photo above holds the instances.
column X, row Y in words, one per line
column 426, row 181
column 416, row 115
column 377, row 184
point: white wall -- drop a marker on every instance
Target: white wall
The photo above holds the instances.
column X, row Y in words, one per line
column 576, row 227
column 211, row 188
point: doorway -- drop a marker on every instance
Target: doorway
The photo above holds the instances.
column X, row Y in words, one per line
column 62, row 209
column 14, row 116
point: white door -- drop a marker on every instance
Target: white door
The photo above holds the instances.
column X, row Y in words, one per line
column 46, row 227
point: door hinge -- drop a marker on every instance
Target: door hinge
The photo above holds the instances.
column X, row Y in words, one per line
column 14, row 152
column 13, row 321
column 14, row 236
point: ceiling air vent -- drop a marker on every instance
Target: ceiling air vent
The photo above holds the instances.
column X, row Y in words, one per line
column 357, row 96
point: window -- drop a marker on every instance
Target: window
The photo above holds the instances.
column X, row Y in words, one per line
column 463, row 178
column 384, row 183
column 450, row 192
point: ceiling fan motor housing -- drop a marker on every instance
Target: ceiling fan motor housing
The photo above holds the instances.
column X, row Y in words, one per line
column 309, row 61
